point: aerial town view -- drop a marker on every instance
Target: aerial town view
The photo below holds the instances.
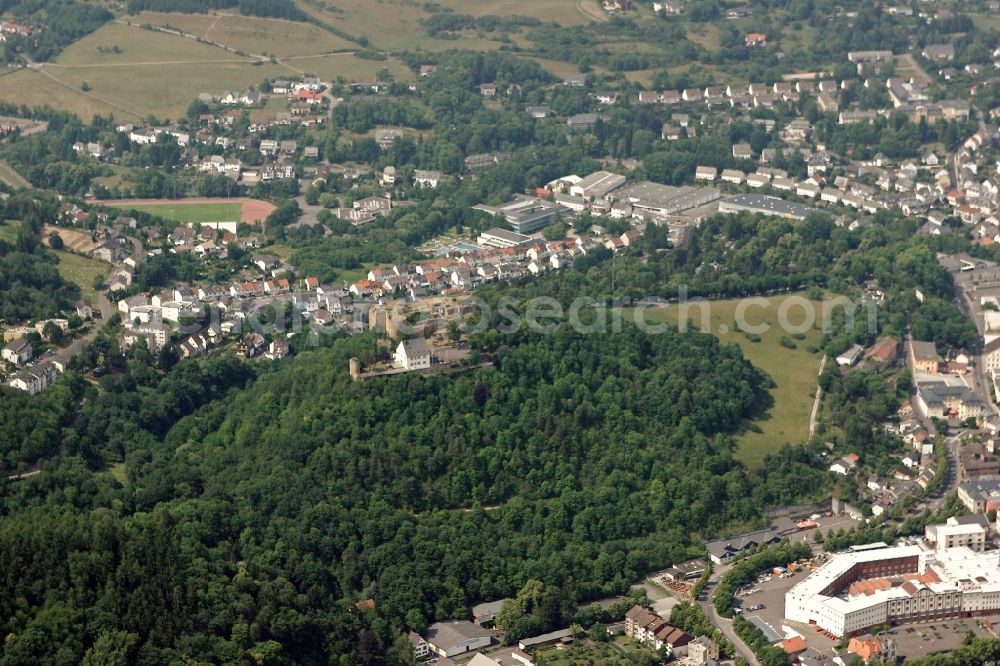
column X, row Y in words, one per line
column 499, row 333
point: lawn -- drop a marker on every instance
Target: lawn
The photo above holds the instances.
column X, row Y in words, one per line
column 270, row 111
column 82, row 271
column 794, row 371
column 194, row 213
column 586, row 651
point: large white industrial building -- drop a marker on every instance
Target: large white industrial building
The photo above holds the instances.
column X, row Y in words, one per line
column 879, row 584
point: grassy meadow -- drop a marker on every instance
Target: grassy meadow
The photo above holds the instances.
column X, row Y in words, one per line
column 252, row 34
column 82, row 271
column 794, row 371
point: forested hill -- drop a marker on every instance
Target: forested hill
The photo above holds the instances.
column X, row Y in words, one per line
column 258, row 520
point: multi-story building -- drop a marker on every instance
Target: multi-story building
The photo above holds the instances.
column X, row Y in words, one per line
column 878, row 584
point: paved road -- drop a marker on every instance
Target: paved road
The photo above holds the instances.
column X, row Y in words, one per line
column 107, row 309
column 724, row 625
column 816, row 401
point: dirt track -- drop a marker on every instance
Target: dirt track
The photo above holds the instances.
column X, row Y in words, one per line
column 251, row 210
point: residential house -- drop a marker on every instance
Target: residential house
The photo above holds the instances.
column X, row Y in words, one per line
column 17, row 351
column 924, row 357
column 35, row 379
column 845, row 465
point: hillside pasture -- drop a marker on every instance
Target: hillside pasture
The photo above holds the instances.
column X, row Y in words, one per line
column 564, row 12
column 349, row 67
column 166, row 90
column 252, row 34
column 137, row 45
column 32, row 88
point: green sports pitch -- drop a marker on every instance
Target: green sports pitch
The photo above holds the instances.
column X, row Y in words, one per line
column 194, row 212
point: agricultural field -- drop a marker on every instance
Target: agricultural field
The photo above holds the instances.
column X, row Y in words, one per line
column 33, row 88
column 396, row 24
column 563, row 12
column 166, row 91
column 137, row 45
column 794, row 371
column 82, row 271
column 252, row 34
column 150, row 73
column 73, row 239
column 194, row 213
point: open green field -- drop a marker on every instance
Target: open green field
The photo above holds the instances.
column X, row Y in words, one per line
column 396, row 24
column 563, row 12
column 794, row 371
column 154, row 73
column 194, row 213
column 82, row 271
column 251, row 34
column 348, row 67
column 166, row 90
column 138, row 45
column 32, row 88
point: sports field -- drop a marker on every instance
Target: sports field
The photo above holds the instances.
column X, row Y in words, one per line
column 197, row 210
column 194, row 213
column 794, row 371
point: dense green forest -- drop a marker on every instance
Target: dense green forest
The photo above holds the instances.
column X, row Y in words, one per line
column 61, row 21
column 580, row 461
column 284, row 9
column 30, row 285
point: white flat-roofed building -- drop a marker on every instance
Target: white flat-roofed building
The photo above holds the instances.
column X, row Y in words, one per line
column 497, row 237
column 597, row 185
column 946, row 536
column 816, row 599
column 666, row 199
column 863, row 588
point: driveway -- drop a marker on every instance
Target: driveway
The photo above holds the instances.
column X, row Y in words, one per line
column 662, row 602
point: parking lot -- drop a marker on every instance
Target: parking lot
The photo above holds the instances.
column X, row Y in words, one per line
column 912, row 641
column 772, row 594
